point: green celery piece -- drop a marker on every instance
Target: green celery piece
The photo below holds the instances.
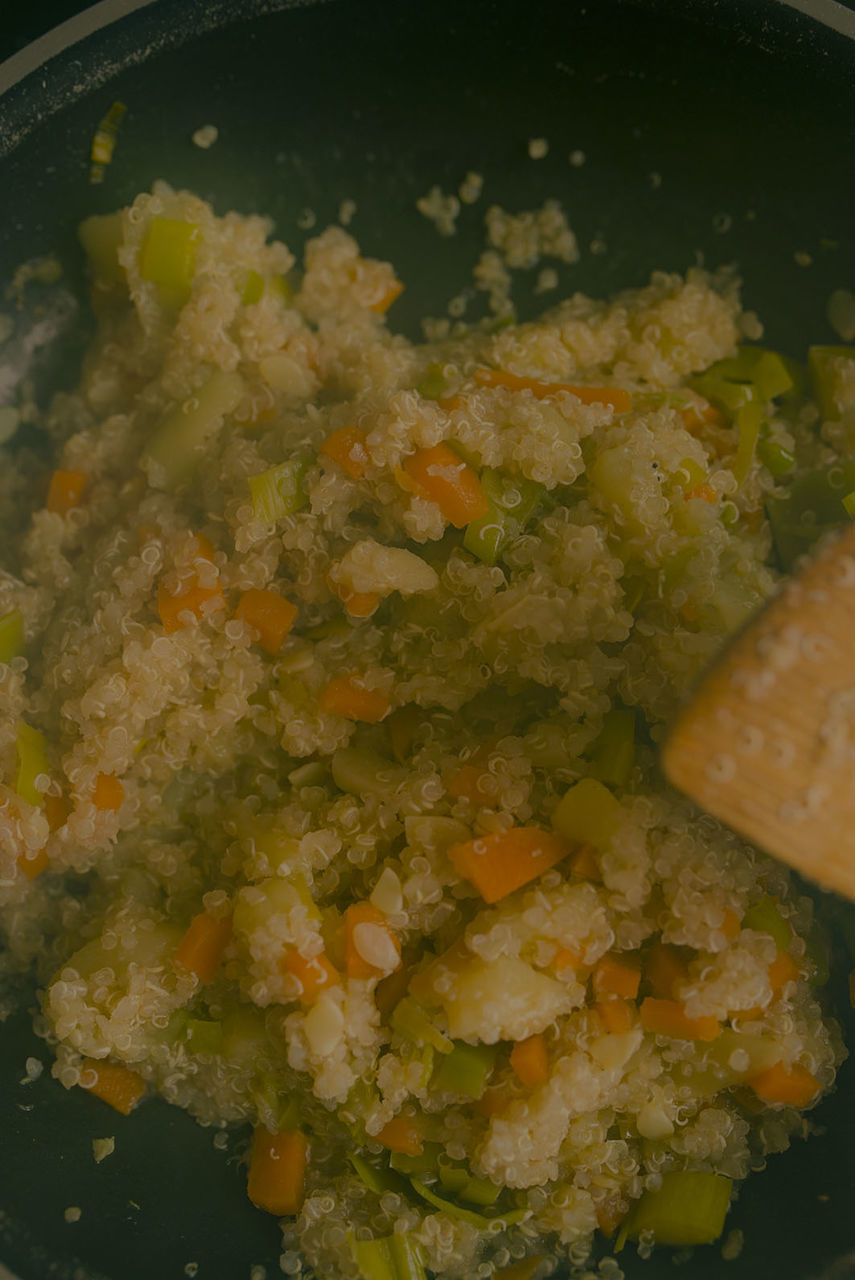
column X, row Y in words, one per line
column 32, row 761
column 689, row 1208
column 812, row 506
column 723, row 393
column 253, row 288
column 279, row 492
column 776, row 458
column 825, row 368
column 467, row 1069
column 848, row 506
column 395, row 1257
column 480, row 1220
column 11, row 635
column 459, row 1182
column 513, row 502
column 434, row 384
column 203, row 1035
column 168, row 258
column 612, row 754
column 182, row 437
column 770, row 373
column 284, row 1108
column 412, row 1022
column 764, row 917
column 749, row 419
column 426, row 1162
column 376, row 1178
column 280, row 287
column 587, row 813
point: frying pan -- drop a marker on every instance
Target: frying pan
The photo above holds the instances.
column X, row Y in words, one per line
column 719, row 131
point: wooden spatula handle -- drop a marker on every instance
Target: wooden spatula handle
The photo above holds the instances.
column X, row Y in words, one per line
column 767, row 744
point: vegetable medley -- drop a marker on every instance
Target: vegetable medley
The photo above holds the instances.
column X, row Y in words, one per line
column 332, row 671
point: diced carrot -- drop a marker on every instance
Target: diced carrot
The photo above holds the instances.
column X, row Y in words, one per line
column 793, row 1086
column 493, row 1101
column 347, row 447
column 498, row 864
column 56, row 809
column 616, row 976
column 401, row 727
column 666, row 967
column 35, row 865
column 390, row 991
column 440, row 475
column 195, row 599
column 314, row 974
column 394, row 290
column 731, row 924
column 567, row 958
column 348, row 697
column 583, row 862
column 467, row 785
column 108, row 792
column 201, row 949
column 669, row 1018
column 359, row 604
column 65, row 491
column 450, row 403
column 609, row 1217
column 113, row 1083
column 270, row 614
column 782, row 970
column 704, row 491
column 204, row 548
column 530, row 1060
column 698, row 413
column 277, row 1170
column 615, row 1015
column 355, row 962
column 619, row 399
column 402, row 1134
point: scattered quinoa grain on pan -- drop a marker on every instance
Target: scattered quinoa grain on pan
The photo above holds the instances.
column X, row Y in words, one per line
column 73, row 1213
column 103, row 1147
column 440, row 209
column 206, row 136
column 538, row 148
column 331, row 669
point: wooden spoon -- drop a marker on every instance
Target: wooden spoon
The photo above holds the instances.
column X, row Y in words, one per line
column 767, row 742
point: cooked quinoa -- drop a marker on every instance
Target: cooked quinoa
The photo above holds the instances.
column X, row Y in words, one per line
column 342, row 669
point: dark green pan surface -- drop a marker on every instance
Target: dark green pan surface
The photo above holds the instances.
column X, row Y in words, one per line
column 723, row 131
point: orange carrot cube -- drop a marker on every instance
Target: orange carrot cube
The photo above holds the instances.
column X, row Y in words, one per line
column 616, row 976
column 347, row 447
column 108, row 792
column 269, row 614
column 440, row 475
column 65, row 491
column 201, row 949
column 347, row 696
column 277, row 1171
column 402, row 1134
column 314, row 974
column 530, row 1060
column 793, row 1086
column 669, row 1018
column 113, row 1083
column 498, row 864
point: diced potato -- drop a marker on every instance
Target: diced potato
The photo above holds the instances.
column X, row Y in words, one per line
column 372, row 569
column 504, row 999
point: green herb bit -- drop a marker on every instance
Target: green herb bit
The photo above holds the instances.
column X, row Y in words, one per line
column 771, row 374
column 434, row 384
column 765, row 917
column 168, row 258
column 467, row 1069
column 749, row 420
column 480, row 1220
column 777, row 459
column 612, row 754
column 11, row 635
column 426, row 1162
column 459, row 1182
column 689, row 1208
column 395, row 1257
column 412, row 1022
column 513, row 502
column 32, row 762
column 375, row 1177
column 179, row 442
column 280, row 491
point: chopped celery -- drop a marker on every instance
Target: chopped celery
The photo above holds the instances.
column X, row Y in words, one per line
column 168, row 258
column 480, row 1220
column 689, row 1208
column 426, row 1162
column 813, row 506
column 828, row 368
column 587, row 813
column 253, row 288
column 776, row 458
column 467, row 1069
column 395, row 1257
column 376, row 1178
column 180, row 440
column 279, row 491
column 749, row 419
column 849, row 504
column 772, row 374
column 203, row 1035
column 433, row 385
column 513, row 501
column 11, row 635
column 764, row 917
column 723, row 393
column 612, row 754
column 32, row 761
column 279, row 1110
column 459, row 1182
column 411, row 1021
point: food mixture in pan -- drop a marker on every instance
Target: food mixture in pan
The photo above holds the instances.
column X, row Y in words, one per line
column 332, row 672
